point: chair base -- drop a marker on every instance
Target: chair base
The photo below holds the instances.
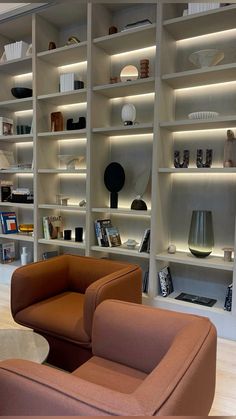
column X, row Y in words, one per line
column 64, row 354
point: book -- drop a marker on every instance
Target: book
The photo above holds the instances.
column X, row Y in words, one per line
column 8, row 222
column 145, row 242
column 6, row 159
column 165, row 280
column 7, row 252
column 6, row 126
column 100, row 230
column 228, row 298
column 145, row 282
column 113, row 236
column 52, row 227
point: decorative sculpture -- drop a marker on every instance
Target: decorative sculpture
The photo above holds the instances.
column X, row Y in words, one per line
column 230, row 150
column 185, row 161
column 208, row 161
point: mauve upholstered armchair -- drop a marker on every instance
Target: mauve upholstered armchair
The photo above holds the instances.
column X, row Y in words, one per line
column 146, row 362
column 57, row 298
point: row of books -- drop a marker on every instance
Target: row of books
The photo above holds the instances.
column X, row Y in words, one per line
column 7, row 252
column 164, row 279
column 109, row 236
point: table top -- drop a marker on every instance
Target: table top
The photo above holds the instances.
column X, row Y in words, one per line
column 23, row 344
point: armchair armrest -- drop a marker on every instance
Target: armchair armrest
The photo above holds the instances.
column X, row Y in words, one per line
column 39, row 390
column 37, row 281
column 124, row 284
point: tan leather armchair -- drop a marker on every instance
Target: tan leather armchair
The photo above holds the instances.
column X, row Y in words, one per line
column 57, row 298
column 146, row 362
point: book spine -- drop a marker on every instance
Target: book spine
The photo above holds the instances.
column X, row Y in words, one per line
column 46, row 228
column 98, row 232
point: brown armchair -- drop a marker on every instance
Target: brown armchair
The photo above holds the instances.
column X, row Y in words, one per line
column 57, row 298
column 146, row 362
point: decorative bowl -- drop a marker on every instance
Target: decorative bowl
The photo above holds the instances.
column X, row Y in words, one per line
column 203, row 115
column 26, row 228
column 70, row 160
column 21, row 92
column 130, row 243
column 206, row 57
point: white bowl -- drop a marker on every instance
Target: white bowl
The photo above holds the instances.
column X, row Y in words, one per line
column 203, row 115
column 130, row 243
column 206, row 57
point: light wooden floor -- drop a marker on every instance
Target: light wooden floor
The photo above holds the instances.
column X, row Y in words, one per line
column 225, row 396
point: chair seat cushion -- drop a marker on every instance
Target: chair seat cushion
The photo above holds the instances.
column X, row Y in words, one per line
column 110, row 375
column 61, row 316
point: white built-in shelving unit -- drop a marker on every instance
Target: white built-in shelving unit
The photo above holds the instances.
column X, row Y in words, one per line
column 163, row 101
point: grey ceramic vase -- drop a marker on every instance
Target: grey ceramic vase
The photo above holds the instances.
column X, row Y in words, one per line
column 201, row 236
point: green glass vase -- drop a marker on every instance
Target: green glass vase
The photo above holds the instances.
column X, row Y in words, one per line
column 201, row 236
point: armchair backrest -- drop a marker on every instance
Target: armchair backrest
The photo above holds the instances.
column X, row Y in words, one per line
column 140, row 336
column 83, row 271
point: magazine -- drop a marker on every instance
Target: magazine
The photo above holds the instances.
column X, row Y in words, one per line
column 8, row 222
column 100, row 230
column 113, row 236
column 7, row 252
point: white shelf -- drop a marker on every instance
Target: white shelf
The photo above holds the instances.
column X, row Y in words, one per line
column 63, row 243
column 173, row 304
column 123, row 211
column 72, row 97
column 197, row 24
column 195, row 124
column 17, row 104
column 213, row 262
column 199, row 170
column 68, row 54
column 64, row 171
column 134, row 87
column 19, row 237
column 75, row 208
column 129, row 40
column 119, row 250
column 204, row 76
column 16, row 171
column 60, row 135
column 17, row 138
column 16, row 67
column 17, row 205
column 143, row 128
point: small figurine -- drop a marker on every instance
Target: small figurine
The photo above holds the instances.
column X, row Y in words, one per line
column 230, row 150
column 113, row 29
column 51, row 45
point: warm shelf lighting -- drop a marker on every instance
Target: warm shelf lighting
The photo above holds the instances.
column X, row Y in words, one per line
column 26, row 76
column 73, row 105
column 24, row 174
column 71, row 66
column 143, row 96
column 25, row 144
column 229, row 33
column 72, row 174
column 24, row 113
column 72, row 140
column 202, row 132
column 147, row 50
column 207, row 86
column 132, row 136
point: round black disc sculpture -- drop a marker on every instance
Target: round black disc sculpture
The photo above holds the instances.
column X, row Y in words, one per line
column 114, row 179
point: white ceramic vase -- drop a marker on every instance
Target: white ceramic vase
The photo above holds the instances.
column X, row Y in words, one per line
column 128, row 114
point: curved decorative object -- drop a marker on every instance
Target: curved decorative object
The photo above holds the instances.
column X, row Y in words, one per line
column 184, row 164
column 72, row 40
column 128, row 114
column 130, row 243
column 140, row 187
column 206, row 57
column 70, row 160
column 21, row 92
column 26, row 228
column 208, row 160
column 201, row 237
column 129, row 73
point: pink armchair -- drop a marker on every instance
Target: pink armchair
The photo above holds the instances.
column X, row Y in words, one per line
column 57, row 298
column 146, row 362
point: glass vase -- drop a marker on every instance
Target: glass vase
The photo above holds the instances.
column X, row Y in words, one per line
column 201, row 237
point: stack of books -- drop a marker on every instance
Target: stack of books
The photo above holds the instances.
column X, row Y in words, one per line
column 16, row 50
